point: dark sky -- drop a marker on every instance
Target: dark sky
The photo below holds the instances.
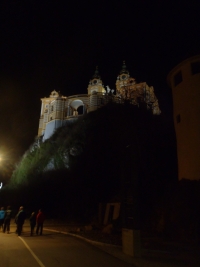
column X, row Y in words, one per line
column 47, row 45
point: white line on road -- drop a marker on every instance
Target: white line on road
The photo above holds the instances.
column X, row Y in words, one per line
column 32, row 253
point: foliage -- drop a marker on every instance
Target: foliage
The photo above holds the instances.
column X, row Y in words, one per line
column 35, row 161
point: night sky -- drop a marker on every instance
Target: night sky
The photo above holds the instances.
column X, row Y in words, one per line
column 47, row 45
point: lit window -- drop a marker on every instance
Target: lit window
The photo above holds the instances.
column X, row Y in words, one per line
column 178, row 78
column 195, row 67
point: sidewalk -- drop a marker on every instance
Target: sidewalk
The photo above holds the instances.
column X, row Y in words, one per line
column 167, row 255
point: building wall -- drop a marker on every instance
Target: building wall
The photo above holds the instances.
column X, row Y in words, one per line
column 55, row 112
column 53, row 125
column 184, row 80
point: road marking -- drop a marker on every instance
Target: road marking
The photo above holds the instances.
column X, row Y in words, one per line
column 32, row 253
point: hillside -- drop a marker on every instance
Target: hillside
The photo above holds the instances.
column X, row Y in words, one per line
column 81, row 164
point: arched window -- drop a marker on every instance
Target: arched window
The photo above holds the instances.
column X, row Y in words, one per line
column 80, row 110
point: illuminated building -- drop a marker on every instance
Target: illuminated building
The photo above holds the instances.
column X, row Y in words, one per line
column 58, row 110
column 184, row 80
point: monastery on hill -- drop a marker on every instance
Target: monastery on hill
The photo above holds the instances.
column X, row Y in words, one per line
column 58, row 110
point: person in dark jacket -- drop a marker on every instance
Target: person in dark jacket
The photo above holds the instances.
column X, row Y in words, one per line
column 7, row 218
column 40, row 220
column 2, row 216
column 32, row 220
column 19, row 219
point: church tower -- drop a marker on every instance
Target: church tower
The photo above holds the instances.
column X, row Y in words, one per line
column 95, row 84
column 136, row 93
column 123, row 83
column 95, row 92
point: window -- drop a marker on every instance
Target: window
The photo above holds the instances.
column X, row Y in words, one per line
column 51, row 108
column 195, row 67
column 178, row 118
column 178, row 78
column 80, row 110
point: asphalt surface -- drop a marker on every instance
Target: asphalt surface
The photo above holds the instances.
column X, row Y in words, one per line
column 52, row 249
column 58, row 247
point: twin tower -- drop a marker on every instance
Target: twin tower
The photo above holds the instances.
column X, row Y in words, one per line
column 58, row 110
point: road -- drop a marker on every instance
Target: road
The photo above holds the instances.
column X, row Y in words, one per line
column 51, row 250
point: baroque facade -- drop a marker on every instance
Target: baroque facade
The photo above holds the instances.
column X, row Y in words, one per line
column 58, row 110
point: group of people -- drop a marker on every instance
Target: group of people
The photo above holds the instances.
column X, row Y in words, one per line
column 36, row 219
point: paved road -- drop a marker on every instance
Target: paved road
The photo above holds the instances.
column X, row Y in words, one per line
column 51, row 250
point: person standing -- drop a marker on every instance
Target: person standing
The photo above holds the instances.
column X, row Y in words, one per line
column 7, row 218
column 19, row 219
column 2, row 215
column 32, row 220
column 40, row 220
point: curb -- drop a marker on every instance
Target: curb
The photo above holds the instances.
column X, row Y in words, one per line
column 84, row 238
